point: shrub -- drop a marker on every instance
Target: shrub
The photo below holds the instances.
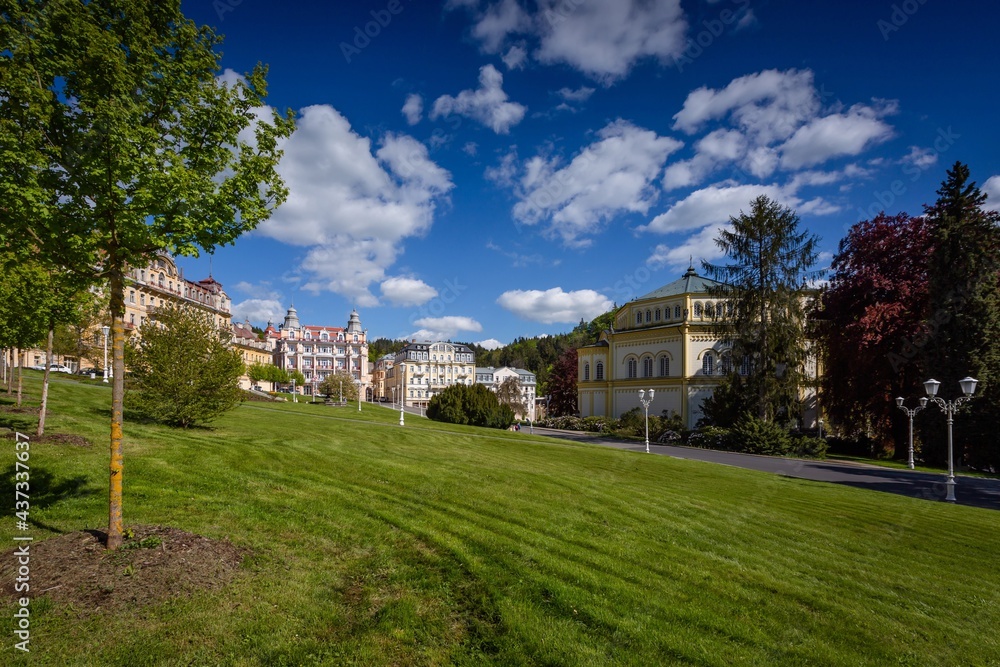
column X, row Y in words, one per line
column 809, row 447
column 475, row 405
column 710, row 437
column 756, row 436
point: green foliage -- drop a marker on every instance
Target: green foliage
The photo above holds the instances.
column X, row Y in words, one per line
column 730, row 400
column 297, row 376
column 339, row 386
column 757, row 436
column 509, row 394
column 181, row 370
column 770, row 258
column 470, row 404
column 267, row 373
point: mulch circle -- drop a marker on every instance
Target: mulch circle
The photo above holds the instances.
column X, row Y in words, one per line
column 53, row 439
column 155, row 564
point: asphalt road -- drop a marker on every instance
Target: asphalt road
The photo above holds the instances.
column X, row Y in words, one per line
column 974, row 491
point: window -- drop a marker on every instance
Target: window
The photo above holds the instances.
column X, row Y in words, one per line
column 677, row 312
column 586, row 372
column 632, row 368
column 131, row 296
column 599, row 371
column 727, row 364
column 710, row 310
column 708, row 364
column 697, row 309
column 745, row 365
column 664, row 366
column 657, row 315
column 142, row 299
column 131, row 318
column 649, row 317
column 638, row 318
column 647, row 367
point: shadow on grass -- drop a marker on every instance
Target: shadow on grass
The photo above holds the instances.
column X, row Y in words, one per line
column 44, row 490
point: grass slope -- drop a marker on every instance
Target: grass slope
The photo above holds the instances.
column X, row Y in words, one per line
column 435, row 544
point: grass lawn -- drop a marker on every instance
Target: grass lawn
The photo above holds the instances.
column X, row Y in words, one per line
column 434, row 545
column 902, row 465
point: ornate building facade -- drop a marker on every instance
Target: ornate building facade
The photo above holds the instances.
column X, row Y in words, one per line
column 664, row 341
column 494, row 377
column 318, row 351
column 421, row 370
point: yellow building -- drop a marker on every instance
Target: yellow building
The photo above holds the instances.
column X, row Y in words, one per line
column 664, row 341
column 254, row 351
column 421, row 370
column 161, row 283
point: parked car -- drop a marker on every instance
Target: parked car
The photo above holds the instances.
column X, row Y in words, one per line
column 38, row 367
column 88, row 371
column 59, row 368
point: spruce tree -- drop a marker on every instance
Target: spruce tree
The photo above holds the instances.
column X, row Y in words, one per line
column 764, row 320
column 962, row 323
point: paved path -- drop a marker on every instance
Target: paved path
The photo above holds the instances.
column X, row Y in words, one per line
column 975, row 491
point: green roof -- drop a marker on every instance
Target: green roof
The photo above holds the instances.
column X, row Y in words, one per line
column 689, row 283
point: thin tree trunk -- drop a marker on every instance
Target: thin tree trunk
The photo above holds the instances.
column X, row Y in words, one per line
column 20, row 374
column 45, row 385
column 117, row 307
column 10, row 375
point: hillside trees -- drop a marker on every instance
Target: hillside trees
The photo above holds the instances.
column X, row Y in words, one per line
column 118, row 141
column 769, row 261
column 873, row 307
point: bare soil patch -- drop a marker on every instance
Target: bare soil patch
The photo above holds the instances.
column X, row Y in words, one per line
column 155, row 563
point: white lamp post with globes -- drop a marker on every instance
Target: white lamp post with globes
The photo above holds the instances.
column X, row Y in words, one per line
column 948, row 407
column 645, row 404
column 911, row 413
column 104, row 330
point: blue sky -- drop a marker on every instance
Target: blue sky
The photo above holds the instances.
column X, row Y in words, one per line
column 481, row 170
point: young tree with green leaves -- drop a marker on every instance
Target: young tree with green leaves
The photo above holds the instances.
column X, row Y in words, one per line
column 769, row 261
column 340, row 385
column 119, row 140
column 182, row 369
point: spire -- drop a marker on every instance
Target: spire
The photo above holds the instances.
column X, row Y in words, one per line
column 354, row 323
column 291, row 319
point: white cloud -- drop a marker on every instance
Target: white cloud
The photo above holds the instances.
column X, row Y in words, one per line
column 515, row 58
column 714, row 205
column 581, row 94
column 696, row 248
column 777, row 120
column 490, row 344
column 605, row 39
column 555, row 305
column 352, row 207
column 443, row 328
column 501, row 19
column 770, row 105
column 402, row 291
column 488, row 104
column 921, row 158
column 615, row 174
column 413, row 108
column 258, row 311
column 470, row 148
column 835, row 135
column 992, row 190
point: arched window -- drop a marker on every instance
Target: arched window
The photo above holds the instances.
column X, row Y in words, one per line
column 729, row 309
column 710, row 310
column 632, row 367
column 599, row 371
column 649, row 317
column 664, row 366
column 638, row 318
column 586, row 372
column 697, row 309
column 647, row 367
column 657, row 315
column 708, row 364
column 727, row 364
column 677, row 312
column 745, row 365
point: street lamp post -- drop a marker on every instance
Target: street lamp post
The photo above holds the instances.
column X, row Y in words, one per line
column 104, row 330
column 402, row 403
column 645, row 404
column 948, row 407
column 359, row 395
column 294, row 397
column 911, row 414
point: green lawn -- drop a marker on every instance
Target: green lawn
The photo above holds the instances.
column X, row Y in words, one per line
column 434, row 544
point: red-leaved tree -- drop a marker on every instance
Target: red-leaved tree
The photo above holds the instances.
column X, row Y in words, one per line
column 871, row 326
